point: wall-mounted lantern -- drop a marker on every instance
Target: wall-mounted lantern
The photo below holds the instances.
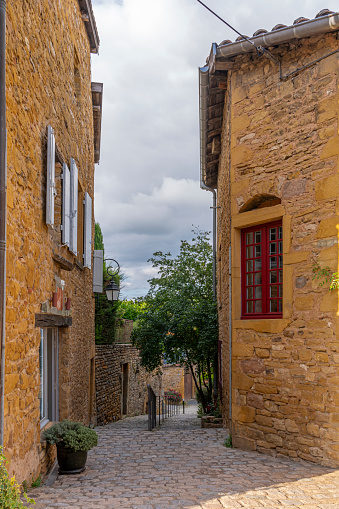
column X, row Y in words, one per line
column 113, row 288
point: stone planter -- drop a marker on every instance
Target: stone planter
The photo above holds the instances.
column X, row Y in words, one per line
column 209, row 421
column 71, row 461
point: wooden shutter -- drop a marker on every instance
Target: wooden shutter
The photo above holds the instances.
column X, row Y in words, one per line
column 74, row 208
column 88, row 232
column 50, row 184
column 66, row 205
column 98, row 270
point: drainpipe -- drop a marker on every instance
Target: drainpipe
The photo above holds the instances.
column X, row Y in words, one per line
column 203, row 112
column 214, row 269
column 204, row 85
column 3, row 202
column 230, row 335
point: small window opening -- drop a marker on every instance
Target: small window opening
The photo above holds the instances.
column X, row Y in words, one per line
column 260, row 201
column 262, row 271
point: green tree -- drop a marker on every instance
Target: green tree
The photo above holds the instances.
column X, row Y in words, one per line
column 179, row 322
column 105, row 311
column 130, row 309
column 98, row 238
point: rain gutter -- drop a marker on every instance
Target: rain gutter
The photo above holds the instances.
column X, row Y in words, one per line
column 309, row 28
column 3, row 206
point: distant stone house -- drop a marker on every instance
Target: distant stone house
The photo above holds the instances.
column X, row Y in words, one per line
column 270, row 146
column 53, row 141
column 179, row 379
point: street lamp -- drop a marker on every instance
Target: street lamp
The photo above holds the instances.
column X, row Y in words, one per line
column 112, row 289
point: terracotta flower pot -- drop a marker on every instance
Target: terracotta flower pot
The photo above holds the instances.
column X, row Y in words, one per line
column 71, row 461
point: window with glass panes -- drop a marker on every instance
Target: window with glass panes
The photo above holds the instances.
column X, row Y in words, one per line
column 262, row 271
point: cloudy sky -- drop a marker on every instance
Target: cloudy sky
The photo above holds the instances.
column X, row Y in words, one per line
column 147, row 183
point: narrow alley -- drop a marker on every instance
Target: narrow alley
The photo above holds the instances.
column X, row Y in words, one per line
column 183, row 466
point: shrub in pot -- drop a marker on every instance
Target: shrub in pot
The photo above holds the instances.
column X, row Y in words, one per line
column 72, row 440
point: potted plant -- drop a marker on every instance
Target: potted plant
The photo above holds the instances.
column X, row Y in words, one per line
column 72, row 440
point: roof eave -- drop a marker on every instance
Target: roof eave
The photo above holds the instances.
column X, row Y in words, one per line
column 97, row 91
column 317, row 26
column 90, row 25
column 301, row 30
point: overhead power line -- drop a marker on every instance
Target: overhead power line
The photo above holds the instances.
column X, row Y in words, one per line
column 259, row 49
column 229, row 26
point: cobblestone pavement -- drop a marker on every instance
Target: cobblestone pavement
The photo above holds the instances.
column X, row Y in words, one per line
column 182, row 466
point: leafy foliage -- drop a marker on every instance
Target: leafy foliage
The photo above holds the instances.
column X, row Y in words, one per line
column 9, row 489
column 179, row 321
column 98, row 238
column 71, row 434
column 37, row 483
column 130, row 309
column 214, row 408
column 228, row 441
column 105, row 319
column 325, row 275
column 105, row 311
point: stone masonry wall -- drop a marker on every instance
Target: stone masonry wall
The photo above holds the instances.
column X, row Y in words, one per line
column 43, row 43
column 173, row 378
column 281, row 138
column 123, row 333
column 109, row 380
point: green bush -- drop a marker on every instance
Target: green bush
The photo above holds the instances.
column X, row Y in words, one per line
column 9, row 489
column 198, row 397
column 228, row 441
column 200, row 411
column 37, row 483
column 71, row 434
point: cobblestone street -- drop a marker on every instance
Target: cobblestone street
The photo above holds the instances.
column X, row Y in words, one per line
column 182, row 466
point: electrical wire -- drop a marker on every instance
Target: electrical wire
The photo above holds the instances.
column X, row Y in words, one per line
column 259, row 49
column 229, row 26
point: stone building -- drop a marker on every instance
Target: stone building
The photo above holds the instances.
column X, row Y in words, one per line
column 177, row 378
column 269, row 146
column 53, row 142
column 121, row 382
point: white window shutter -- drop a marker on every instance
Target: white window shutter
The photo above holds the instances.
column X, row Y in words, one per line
column 50, row 184
column 88, row 232
column 66, row 205
column 74, row 208
column 98, row 271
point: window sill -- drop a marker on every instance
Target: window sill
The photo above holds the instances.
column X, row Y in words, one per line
column 43, row 423
column 273, row 325
column 78, row 264
column 270, row 316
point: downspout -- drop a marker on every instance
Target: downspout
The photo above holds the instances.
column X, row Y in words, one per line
column 230, row 352
column 203, row 108
column 203, row 117
column 3, row 206
column 214, row 270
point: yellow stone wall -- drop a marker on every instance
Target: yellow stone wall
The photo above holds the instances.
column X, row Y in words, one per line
column 281, row 138
column 44, row 40
column 173, row 378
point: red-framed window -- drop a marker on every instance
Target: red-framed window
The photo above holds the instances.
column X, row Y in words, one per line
column 262, row 271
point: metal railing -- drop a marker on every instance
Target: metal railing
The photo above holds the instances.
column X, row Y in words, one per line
column 161, row 408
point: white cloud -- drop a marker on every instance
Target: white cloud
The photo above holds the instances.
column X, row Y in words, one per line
column 147, row 193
